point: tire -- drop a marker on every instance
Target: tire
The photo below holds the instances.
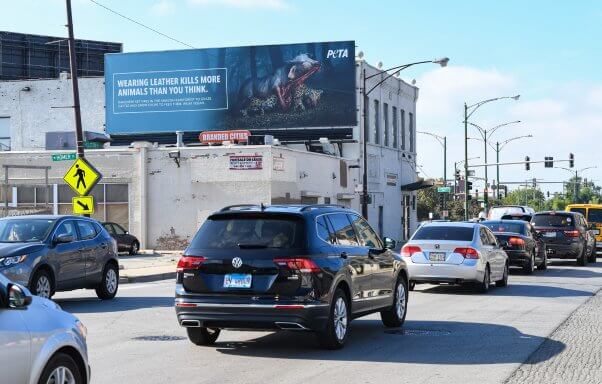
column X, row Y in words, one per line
column 582, row 260
column 592, row 255
column 544, row 264
column 483, row 286
column 530, row 266
column 107, row 289
column 504, row 281
column 134, row 248
column 203, row 336
column 335, row 334
column 62, row 363
column 42, row 284
column 395, row 316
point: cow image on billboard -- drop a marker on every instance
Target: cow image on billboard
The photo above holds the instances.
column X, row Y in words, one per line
column 257, row 88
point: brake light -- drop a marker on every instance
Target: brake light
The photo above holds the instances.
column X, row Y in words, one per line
column 571, row 233
column 516, row 241
column 409, row 250
column 468, row 253
column 189, row 262
column 300, row 264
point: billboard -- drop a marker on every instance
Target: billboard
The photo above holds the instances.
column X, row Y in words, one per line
column 261, row 88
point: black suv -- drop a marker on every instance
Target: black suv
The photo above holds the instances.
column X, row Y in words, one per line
column 566, row 235
column 288, row 267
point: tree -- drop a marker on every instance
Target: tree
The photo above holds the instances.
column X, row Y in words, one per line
column 533, row 197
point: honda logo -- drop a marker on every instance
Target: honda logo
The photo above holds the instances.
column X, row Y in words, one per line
column 237, row 262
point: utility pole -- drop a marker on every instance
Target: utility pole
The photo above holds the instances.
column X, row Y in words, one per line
column 79, row 136
column 486, row 190
column 445, row 171
column 497, row 160
column 366, row 130
column 465, row 162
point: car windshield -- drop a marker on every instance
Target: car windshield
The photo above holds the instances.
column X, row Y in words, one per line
column 24, row 230
column 553, row 220
column 595, row 215
column 430, row 232
column 250, row 232
column 506, row 227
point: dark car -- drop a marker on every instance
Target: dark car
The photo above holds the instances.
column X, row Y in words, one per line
column 566, row 235
column 49, row 253
column 521, row 242
column 288, row 267
column 125, row 241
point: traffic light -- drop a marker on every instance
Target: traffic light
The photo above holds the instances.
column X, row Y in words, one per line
column 527, row 163
column 549, row 162
column 441, row 199
column 548, row 193
column 457, row 175
column 571, row 160
column 469, row 185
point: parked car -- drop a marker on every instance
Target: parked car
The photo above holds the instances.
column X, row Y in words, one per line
column 496, row 213
column 521, row 242
column 49, row 253
column 456, row 253
column 125, row 241
column 593, row 215
column 566, row 234
column 39, row 342
column 288, row 267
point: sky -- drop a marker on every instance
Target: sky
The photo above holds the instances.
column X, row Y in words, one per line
column 548, row 52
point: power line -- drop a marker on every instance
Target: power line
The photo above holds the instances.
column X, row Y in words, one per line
column 140, row 24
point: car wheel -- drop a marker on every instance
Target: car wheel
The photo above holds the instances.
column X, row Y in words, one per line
column 202, row 335
column 61, row 369
column 504, row 281
column 592, row 254
column 530, row 265
column 483, row 286
column 134, row 248
column 544, row 264
column 42, row 285
column 107, row 289
column 582, row 260
column 395, row 316
column 335, row 334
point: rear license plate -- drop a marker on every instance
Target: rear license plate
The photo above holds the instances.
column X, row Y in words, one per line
column 437, row 256
column 549, row 234
column 237, row 281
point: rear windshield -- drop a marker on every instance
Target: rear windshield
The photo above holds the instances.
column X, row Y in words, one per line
column 498, row 212
column 506, row 227
column 550, row 220
column 250, row 232
column 595, row 215
column 444, row 233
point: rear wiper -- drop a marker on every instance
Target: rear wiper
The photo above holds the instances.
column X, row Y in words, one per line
column 252, row 246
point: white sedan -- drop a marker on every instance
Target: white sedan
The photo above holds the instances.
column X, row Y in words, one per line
column 456, row 253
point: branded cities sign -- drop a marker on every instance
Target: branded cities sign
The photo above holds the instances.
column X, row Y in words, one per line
column 260, row 88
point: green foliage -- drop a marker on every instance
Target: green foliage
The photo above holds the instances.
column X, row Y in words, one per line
column 532, row 197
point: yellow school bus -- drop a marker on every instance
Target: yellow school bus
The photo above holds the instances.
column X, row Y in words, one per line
column 593, row 215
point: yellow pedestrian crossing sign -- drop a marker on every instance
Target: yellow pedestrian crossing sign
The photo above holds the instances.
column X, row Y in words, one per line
column 83, row 205
column 82, row 176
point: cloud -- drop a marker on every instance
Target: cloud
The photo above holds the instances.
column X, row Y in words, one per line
column 163, row 7
column 246, row 4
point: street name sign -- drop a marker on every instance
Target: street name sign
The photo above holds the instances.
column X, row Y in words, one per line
column 63, row 156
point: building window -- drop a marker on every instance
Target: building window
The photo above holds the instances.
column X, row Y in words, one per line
column 4, row 134
column 386, row 118
column 411, row 117
column 395, row 127
column 376, row 122
column 402, row 120
column 111, row 202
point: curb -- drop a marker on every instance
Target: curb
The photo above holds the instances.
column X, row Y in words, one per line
column 146, row 278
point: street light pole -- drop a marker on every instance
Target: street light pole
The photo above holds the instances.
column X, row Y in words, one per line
column 577, row 172
column 498, row 148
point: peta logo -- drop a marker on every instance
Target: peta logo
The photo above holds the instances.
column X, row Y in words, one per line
column 337, row 54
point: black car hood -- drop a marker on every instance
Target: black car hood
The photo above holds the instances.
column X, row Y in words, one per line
column 15, row 249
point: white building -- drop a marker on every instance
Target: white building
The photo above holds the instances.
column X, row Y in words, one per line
column 163, row 204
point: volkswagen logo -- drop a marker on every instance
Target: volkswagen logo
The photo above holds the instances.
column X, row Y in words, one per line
column 237, row 262
column 437, row 246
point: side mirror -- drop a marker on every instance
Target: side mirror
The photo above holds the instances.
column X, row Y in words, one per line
column 127, row 232
column 62, row 239
column 389, row 243
column 18, row 298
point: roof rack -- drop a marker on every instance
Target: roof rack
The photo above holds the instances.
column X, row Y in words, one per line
column 232, row 207
column 315, row 206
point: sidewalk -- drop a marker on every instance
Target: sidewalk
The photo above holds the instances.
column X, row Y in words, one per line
column 147, row 267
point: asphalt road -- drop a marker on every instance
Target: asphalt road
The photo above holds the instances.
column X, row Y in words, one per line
column 452, row 335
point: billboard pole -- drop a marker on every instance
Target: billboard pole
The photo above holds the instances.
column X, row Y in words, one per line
column 73, row 66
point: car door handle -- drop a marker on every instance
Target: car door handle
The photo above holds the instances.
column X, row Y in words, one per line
column 344, row 255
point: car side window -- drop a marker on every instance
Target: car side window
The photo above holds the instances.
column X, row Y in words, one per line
column 324, row 231
column 365, row 233
column 86, row 230
column 492, row 238
column 343, row 230
column 109, row 228
column 118, row 230
column 484, row 239
column 67, row 228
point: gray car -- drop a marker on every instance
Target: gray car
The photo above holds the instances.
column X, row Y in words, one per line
column 49, row 253
column 39, row 342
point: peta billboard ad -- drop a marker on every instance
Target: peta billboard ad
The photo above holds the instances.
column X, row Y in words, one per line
column 259, row 88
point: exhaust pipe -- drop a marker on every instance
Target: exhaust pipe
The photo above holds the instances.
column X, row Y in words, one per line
column 190, row 323
column 290, row 326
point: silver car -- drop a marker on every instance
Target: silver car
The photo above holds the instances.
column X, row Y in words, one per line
column 39, row 342
column 456, row 253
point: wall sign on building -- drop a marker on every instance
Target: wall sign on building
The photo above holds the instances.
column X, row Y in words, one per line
column 391, row 179
column 246, row 162
column 258, row 87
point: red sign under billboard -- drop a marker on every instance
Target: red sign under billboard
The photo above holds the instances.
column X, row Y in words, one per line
column 237, row 136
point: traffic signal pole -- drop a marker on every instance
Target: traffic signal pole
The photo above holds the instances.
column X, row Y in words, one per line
column 465, row 162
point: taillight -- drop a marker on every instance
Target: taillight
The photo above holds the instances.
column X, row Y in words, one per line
column 409, row 250
column 304, row 265
column 516, row 241
column 571, row 233
column 189, row 262
column 468, row 253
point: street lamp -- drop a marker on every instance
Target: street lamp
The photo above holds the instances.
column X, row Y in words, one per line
column 469, row 110
column 498, row 147
column 577, row 172
column 442, row 62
